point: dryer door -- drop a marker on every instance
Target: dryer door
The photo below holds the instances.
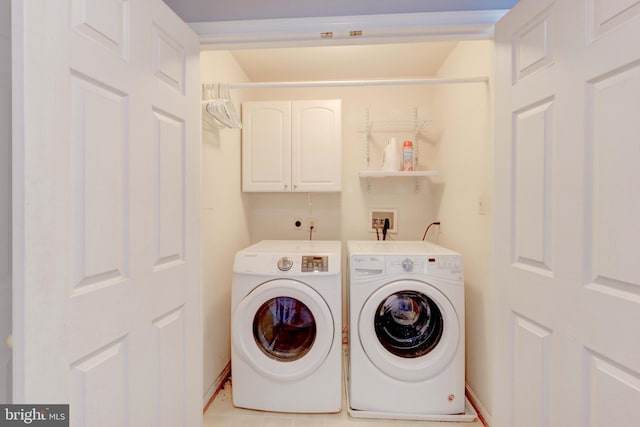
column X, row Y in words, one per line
column 284, row 329
column 409, row 330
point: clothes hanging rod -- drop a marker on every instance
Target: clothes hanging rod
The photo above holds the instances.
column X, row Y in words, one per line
column 378, row 82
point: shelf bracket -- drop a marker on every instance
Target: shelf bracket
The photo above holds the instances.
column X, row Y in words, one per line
column 416, row 131
column 366, row 136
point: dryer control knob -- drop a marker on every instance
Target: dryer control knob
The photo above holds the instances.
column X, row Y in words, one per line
column 407, row 264
column 285, row 264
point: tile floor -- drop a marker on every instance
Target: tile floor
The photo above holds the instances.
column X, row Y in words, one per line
column 222, row 413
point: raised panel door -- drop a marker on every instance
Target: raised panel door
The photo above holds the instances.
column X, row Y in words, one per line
column 106, row 193
column 567, row 282
column 266, row 146
column 316, row 146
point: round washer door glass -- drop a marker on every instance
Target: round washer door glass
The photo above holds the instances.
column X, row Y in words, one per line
column 408, row 324
column 284, row 328
column 409, row 330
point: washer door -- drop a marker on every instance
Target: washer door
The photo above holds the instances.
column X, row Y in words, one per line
column 409, row 330
column 284, row 329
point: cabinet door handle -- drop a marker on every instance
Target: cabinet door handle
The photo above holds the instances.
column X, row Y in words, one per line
column 286, row 186
column 295, row 186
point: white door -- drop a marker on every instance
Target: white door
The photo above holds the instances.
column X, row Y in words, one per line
column 316, row 145
column 5, row 199
column 567, row 234
column 106, row 196
column 266, row 146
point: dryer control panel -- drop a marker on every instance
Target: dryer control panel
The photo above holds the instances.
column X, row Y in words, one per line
column 315, row 263
column 290, row 258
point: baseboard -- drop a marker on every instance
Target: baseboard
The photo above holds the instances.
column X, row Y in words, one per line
column 483, row 413
column 216, row 387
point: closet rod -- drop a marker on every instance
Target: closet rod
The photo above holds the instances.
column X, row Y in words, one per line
column 379, row 82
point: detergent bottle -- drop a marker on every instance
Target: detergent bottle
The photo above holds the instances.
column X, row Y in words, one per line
column 390, row 156
column 407, row 156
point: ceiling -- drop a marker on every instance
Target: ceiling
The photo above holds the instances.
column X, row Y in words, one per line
column 234, row 10
column 413, row 59
column 344, row 62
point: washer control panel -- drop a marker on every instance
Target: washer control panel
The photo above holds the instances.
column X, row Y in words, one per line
column 315, row 263
column 438, row 265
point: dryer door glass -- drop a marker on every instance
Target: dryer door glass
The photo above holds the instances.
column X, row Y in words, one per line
column 284, row 329
column 408, row 324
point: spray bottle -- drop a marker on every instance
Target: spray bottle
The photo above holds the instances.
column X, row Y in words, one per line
column 407, row 156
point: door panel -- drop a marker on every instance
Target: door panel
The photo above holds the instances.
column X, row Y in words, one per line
column 567, row 235
column 169, row 185
column 107, row 238
column 316, row 145
column 531, row 179
column 266, row 146
column 99, row 184
column 104, row 372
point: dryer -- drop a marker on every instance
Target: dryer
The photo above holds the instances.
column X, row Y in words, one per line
column 286, row 326
column 406, row 328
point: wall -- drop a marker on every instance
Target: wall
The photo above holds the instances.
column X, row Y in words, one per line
column 5, row 199
column 344, row 216
column 464, row 155
column 225, row 227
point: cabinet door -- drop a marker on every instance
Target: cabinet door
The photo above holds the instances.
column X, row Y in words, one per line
column 316, row 142
column 266, row 146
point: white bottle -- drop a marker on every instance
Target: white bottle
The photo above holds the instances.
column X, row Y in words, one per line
column 390, row 156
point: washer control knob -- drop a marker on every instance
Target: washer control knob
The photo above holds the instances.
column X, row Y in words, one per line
column 285, row 263
column 407, row 264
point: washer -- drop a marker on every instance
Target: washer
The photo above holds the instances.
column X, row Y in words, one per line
column 406, row 328
column 286, row 326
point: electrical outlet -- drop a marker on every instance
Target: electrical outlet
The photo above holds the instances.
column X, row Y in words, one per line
column 482, row 204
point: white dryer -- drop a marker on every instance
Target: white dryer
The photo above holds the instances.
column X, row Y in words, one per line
column 286, row 308
column 406, row 328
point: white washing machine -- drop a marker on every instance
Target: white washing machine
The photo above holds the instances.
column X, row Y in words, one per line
column 286, row 308
column 406, row 328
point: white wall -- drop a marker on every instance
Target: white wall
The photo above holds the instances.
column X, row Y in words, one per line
column 464, row 155
column 5, row 199
column 225, row 225
column 344, row 216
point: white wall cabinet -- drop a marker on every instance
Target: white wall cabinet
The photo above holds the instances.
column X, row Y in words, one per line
column 292, row 146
